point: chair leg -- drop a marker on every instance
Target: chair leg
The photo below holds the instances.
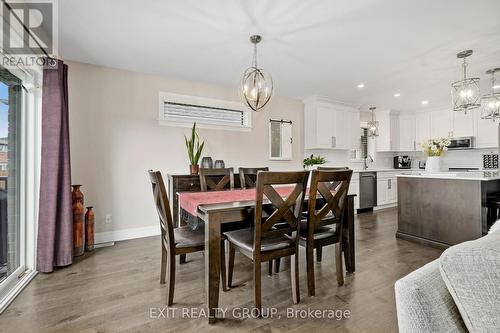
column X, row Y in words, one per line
column 277, row 263
column 170, row 278
column 294, row 271
column 319, row 254
column 270, row 268
column 311, row 288
column 223, row 265
column 163, row 270
column 230, row 264
column 257, row 286
column 339, row 263
column 182, row 259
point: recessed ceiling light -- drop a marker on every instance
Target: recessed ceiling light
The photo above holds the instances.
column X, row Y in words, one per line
column 425, row 102
column 497, row 86
column 361, row 85
column 397, row 94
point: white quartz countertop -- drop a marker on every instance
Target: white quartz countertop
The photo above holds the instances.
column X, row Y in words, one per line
column 471, row 175
column 387, row 170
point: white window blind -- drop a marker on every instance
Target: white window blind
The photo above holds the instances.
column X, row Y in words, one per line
column 177, row 110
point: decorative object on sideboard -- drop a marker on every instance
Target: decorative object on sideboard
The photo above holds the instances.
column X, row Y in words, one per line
column 466, row 93
column 219, row 164
column 194, row 150
column 77, row 198
column 434, row 149
column 310, row 162
column 491, row 102
column 207, row 162
column 89, row 229
column 256, row 86
column 372, row 125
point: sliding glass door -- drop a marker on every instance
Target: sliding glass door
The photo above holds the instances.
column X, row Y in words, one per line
column 11, row 229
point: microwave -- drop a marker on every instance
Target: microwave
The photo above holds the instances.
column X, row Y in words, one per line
column 461, row 143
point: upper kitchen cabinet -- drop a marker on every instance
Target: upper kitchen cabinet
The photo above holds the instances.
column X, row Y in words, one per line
column 462, row 123
column 487, row 132
column 329, row 125
column 388, row 130
column 407, row 132
column 422, row 127
column 441, row 124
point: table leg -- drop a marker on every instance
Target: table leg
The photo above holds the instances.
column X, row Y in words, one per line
column 212, row 263
column 348, row 235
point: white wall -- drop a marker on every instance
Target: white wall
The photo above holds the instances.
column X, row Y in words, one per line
column 115, row 139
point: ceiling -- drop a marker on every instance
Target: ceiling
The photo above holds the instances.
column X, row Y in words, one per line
column 310, row 47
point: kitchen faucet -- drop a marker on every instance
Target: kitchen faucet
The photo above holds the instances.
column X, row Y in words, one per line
column 365, row 164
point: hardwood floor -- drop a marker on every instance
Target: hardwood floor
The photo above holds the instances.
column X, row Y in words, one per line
column 115, row 289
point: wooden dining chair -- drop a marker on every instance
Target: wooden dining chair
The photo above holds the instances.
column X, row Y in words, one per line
column 319, row 250
column 212, row 179
column 263, row 243
column 248, row 176
column 323, row 226
column 174, row 241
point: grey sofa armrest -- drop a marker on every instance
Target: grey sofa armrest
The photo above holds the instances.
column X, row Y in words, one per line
column 424, row 303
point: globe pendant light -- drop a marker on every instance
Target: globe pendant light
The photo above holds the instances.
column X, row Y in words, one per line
column 491, row 102
column 372, row 125
column 256, row 85
column 466, row 92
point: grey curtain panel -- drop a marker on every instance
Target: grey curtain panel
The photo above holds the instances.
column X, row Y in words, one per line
column 55, row 226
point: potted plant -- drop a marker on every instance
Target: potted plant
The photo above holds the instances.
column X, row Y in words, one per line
column 434, row 149
column 311, row 161
column 194, row 150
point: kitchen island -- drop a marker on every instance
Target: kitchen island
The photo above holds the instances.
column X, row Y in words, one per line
column 443, row 209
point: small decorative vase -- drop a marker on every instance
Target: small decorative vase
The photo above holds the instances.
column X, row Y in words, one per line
column 89, row 229
column 78, row 229
column 76, row 194
column 207, row 163
column 194, row 169
column 433, row 164
column 219, row 164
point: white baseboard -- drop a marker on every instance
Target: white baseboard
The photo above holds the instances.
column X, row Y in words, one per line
column 124, row 234
column 385, row 206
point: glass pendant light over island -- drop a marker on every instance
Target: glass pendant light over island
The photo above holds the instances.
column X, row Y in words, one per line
column 372, row 125
column 491, row 102
column 466, row 92
column 256, row 85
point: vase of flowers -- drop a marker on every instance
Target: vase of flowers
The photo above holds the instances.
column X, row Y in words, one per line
column 310, row 162
column 194, row 150
column 434, row 149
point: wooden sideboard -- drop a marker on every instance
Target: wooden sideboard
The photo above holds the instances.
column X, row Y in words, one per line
column 186, row 183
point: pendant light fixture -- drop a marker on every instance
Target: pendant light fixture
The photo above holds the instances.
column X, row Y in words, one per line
column 491, row 102
column 466, row 92
column 372, row 125
column 256, row 85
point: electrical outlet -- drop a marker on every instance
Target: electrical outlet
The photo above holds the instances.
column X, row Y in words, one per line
column 107, row 219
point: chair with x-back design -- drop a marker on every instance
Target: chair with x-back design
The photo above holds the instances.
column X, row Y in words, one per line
column 323, row 226
column 248, row 176
column 263, row 243
column 216, row 179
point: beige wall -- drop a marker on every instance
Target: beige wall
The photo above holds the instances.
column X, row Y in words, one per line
column 115, row 139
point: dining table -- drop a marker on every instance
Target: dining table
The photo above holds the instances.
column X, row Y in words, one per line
column 214, row 209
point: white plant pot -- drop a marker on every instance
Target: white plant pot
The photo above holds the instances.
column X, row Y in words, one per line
column 433, row 164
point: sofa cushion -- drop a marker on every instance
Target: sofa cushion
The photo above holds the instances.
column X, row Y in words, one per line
column 424, row 303
column 471, row 271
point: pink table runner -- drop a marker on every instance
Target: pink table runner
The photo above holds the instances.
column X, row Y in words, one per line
column 189, row 201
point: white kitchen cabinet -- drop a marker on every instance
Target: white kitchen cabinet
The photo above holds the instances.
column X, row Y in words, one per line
column 487, row 132
column 422, row 127
column 354, row 189
column 388, row 138
column 407, row 132
column 387, row 189
column 441, row 124
column 462, row 123
column 382, row 192
column 328, row 125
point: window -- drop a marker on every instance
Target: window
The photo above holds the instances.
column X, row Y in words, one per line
column 280, row 140
column 181, row 110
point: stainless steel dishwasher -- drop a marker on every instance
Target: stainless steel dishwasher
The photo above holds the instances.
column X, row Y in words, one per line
column 367, row 190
